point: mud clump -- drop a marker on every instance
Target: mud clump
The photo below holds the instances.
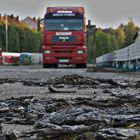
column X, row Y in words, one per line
column 8, row 80
column 75, row 81
column 117, row 133
column 111, row 113
column 81, row 82
column 114, row 118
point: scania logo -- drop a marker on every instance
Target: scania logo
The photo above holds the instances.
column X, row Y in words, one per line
column 63, row 33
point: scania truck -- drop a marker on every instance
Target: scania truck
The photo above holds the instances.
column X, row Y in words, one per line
column 64, row 37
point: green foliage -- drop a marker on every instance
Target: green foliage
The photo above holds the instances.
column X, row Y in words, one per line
column 104, row 43
column 120, row 35
column 90, row 48
column 107, row 40
column 130, row 31
column 112, row 31
column 2, row 37
column 20, row 39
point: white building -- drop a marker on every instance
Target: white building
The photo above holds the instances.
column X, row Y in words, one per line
column 30, row 22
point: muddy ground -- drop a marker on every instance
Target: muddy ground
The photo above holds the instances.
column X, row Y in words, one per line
column 68, row 104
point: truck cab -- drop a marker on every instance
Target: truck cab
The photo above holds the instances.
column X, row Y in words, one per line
column 64, row 37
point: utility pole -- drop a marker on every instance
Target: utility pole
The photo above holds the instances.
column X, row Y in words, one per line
column 6, row 33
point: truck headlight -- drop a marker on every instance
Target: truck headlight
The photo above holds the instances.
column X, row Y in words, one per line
column 47, row 52
column 80, row 51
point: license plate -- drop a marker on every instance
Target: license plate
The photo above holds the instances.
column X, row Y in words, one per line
column 63, row 60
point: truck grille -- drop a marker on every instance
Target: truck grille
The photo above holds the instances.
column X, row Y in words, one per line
column 58, row 39
column 63, row 51
column 58, row 58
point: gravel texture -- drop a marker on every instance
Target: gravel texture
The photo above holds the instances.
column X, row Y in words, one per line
column 68, row 103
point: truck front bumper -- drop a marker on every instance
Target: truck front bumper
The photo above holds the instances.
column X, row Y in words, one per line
column 64, row 55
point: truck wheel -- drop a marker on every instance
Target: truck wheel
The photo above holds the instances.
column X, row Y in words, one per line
column 78, row 65
column 55, row 65
column 46, row 66
column 81, row 65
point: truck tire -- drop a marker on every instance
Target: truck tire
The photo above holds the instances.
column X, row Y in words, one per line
column 44, row 65
column 81, row 65
column 47, row 66
column 55, row 65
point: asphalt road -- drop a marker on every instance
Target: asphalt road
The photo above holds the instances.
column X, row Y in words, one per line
column 37, row 72
column 26, row 73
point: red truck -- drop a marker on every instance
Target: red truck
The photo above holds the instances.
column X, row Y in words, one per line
column 64, row 37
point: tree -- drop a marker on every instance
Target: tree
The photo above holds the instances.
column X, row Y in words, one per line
column 90, row 48
column 104, row 43
column 20, row 38
column 111, row 31
column 130, row 31
column 13, row 39
column 114, row 45
column 101, row 43
column 120, row 35
column 2, row 37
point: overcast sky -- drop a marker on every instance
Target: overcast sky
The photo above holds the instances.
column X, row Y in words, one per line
column 103, row 13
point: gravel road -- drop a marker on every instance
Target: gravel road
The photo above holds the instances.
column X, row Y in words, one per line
column 38, row 73
column 68, row 100
column 35, row 73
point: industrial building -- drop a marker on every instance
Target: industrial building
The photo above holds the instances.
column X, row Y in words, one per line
column 127, row 58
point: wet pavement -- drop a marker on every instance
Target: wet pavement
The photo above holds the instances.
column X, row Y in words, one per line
column 68, row 104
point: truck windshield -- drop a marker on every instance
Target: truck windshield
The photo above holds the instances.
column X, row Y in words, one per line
column 64, row 24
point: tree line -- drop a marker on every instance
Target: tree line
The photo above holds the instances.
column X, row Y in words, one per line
column 99, row 42
column 20, row 38
column 103, row 41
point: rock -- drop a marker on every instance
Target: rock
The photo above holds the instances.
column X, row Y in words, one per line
column 53, row 107
column 57, row 130
column 21, row 108
column 73, row 116
column 124, row 120
column 106, row 114
column 14, row 135
column 86, row 136
column 56, row 90
column 19, row 121
column 4, row 109
column 1, row 135
column 117, row 133
column 42, row 123
column 104, row 85
column 36, row 108
column 7, row 80
column 74, row 80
